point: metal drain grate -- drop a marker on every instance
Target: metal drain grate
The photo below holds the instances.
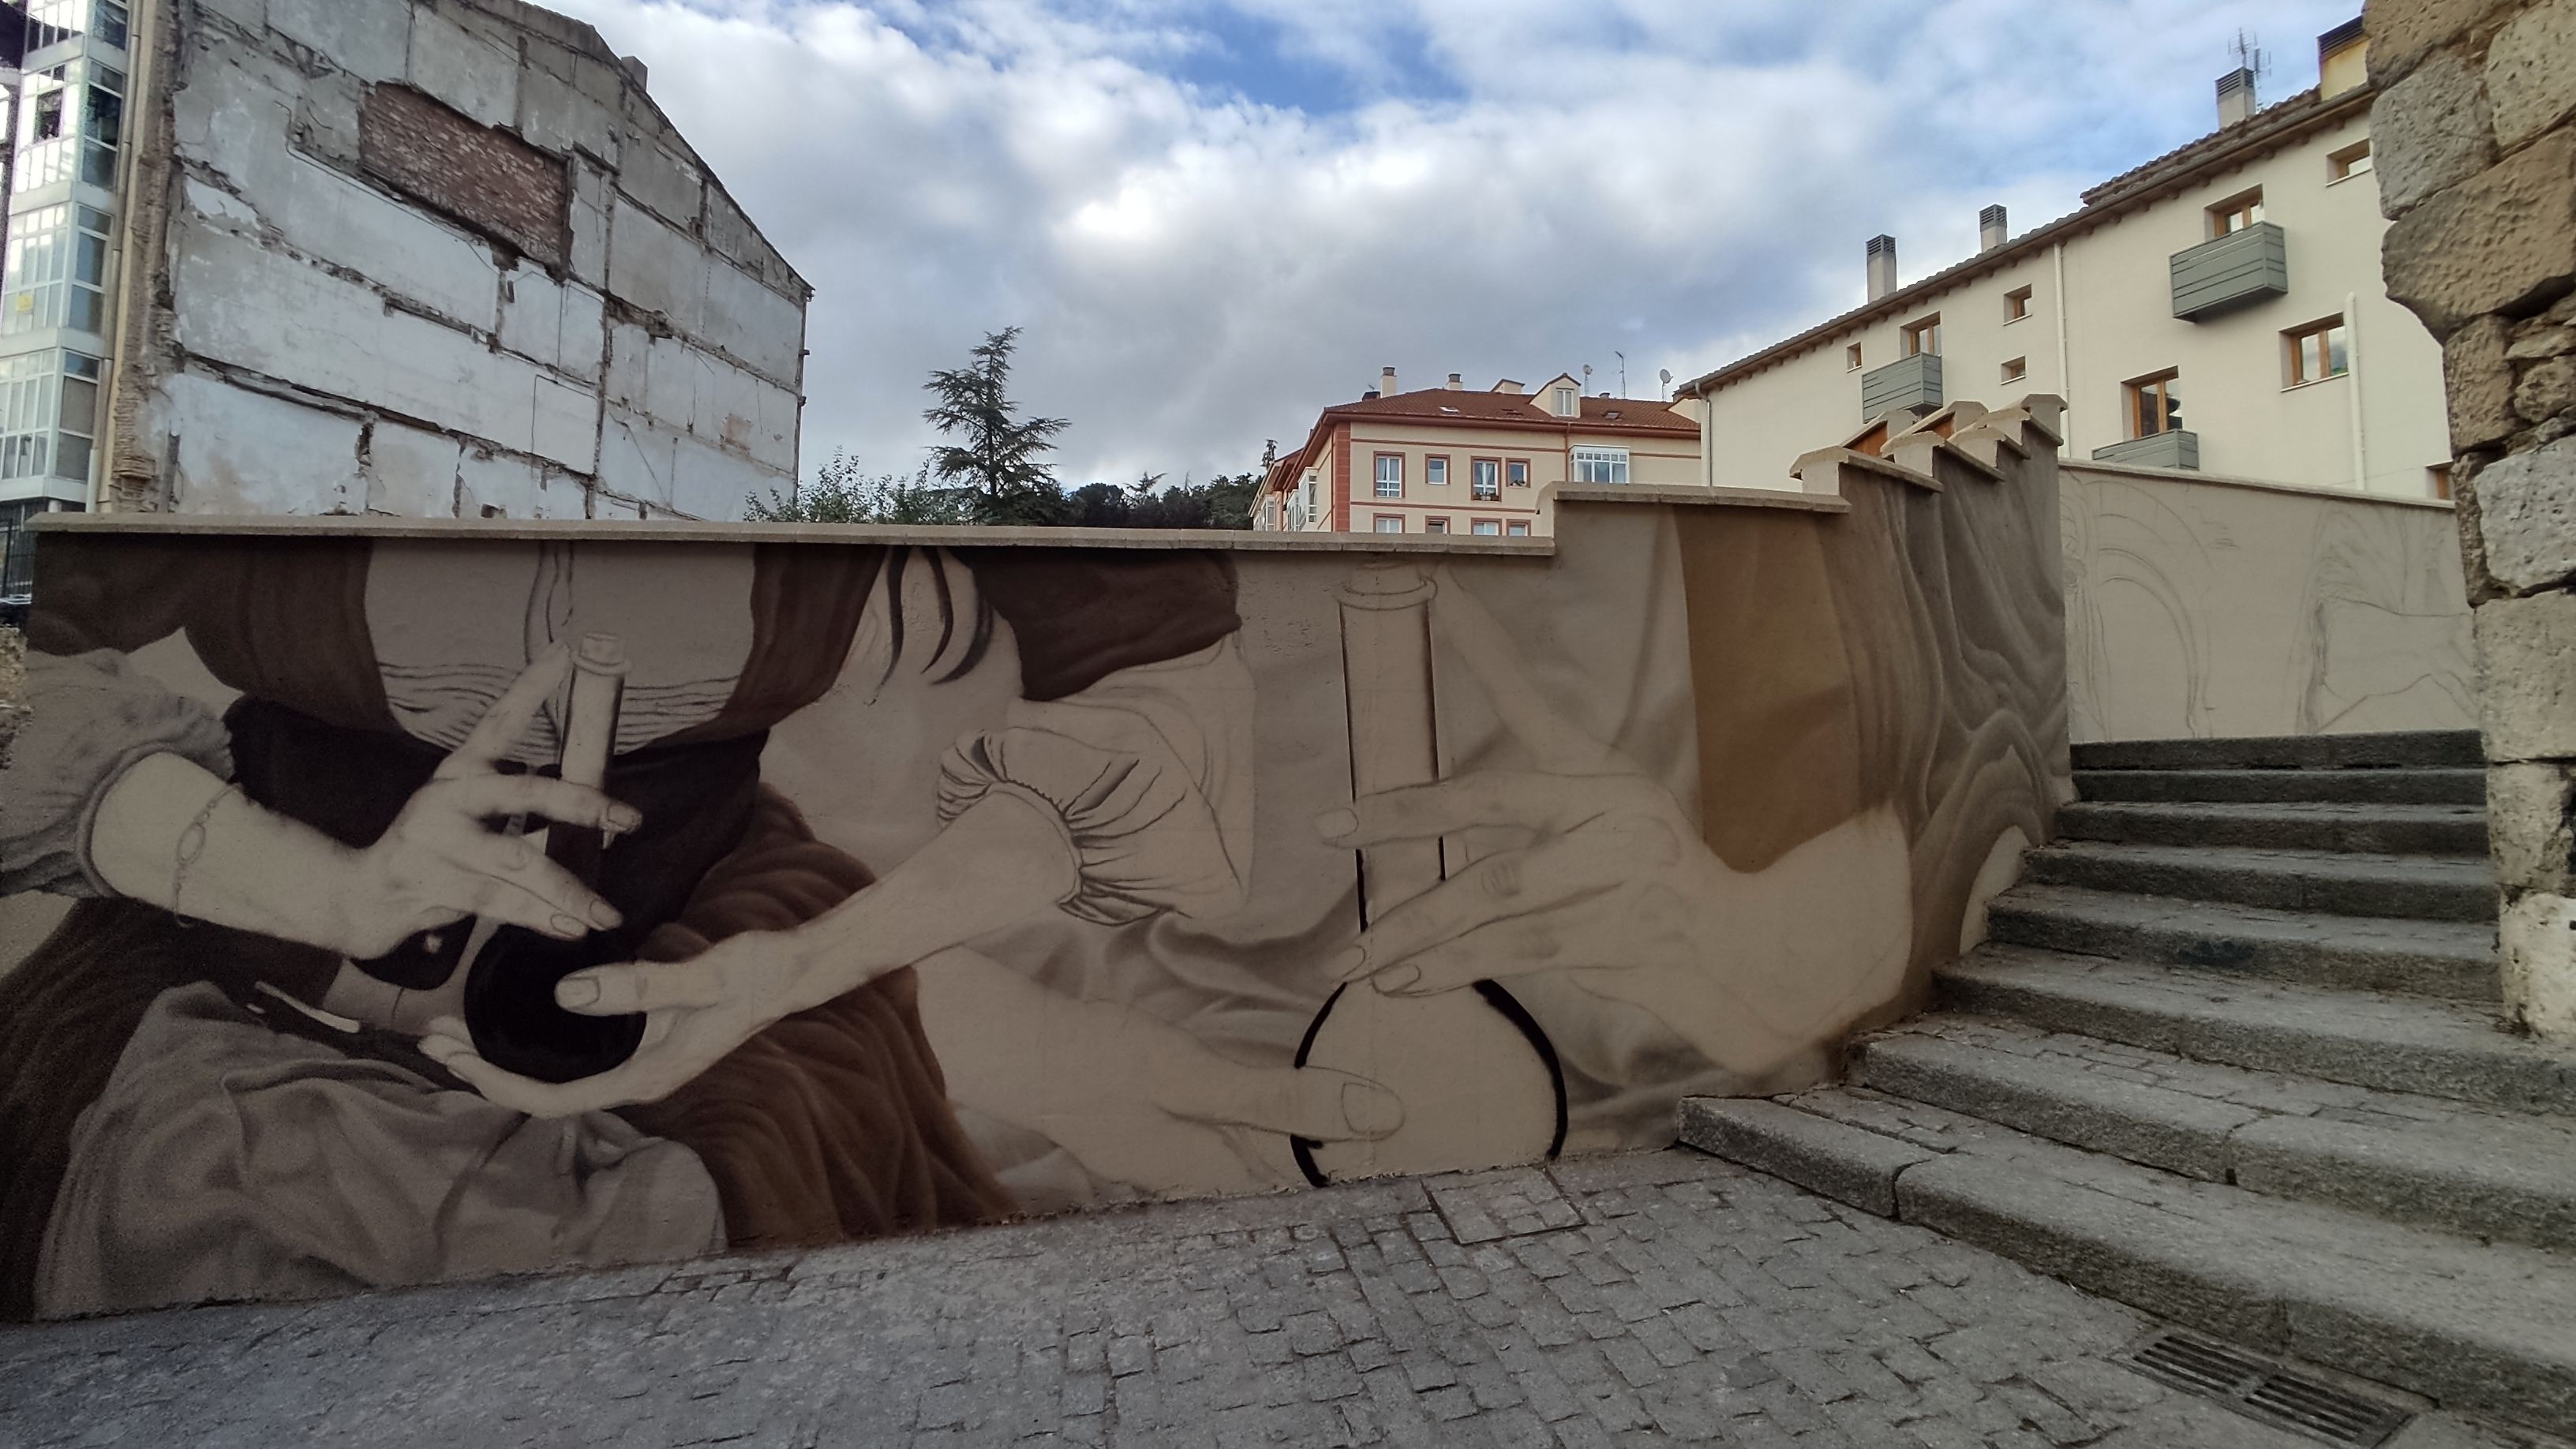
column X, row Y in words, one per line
column 2262, row 1390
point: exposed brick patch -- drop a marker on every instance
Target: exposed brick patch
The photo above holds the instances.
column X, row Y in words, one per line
column 488, row 179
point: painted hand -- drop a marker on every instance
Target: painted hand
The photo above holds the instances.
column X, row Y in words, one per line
column 1616, row 886
column 1168, row 1115
column 442, row 860
column 1000, row 861
column 1133, row 1098
column 1613, row 877
column 695, row 1013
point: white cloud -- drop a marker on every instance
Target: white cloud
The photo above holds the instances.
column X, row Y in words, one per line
column 1491, row 187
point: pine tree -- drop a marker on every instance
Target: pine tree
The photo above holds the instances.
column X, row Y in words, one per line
column 996, row 457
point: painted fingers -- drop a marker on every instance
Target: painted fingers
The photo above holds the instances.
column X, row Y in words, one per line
column 1538, row 908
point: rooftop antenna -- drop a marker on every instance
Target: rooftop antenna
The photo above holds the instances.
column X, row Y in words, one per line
column 1623, row 370
column 2250, row 56
column 1666, row 376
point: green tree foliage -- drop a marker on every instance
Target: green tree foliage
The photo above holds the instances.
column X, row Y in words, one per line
column 997, row 459
column 840, row 493
column 993, row 471
column 1224, row 503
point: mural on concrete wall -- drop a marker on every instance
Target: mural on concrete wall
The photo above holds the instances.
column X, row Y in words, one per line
column 450, row 907
column 2245, row 611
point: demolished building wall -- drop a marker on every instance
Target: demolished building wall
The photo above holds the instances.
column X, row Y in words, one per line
column 439, row 258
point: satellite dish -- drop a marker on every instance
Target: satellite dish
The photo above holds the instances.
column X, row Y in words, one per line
column 1667, row 375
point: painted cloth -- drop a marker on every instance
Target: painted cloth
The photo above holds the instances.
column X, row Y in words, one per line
column 317, row 1172
column 92, row 716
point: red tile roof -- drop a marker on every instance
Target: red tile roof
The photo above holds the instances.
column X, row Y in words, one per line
column 1516, row 409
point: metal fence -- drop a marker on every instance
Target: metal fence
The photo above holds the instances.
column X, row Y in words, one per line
column 17, row 572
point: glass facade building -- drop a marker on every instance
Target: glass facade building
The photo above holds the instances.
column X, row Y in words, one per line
column 67, row 132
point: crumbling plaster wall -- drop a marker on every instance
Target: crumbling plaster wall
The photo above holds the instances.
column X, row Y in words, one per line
column 447, row 257
column 2475, row 132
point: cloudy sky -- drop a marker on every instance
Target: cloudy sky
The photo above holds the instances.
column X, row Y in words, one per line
column 1213, row 219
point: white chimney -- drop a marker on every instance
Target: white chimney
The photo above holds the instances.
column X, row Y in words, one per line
column 1455, row 385
column 1386, row 382
column 1991, row 230
column 2235, row 96
column 1882, row 266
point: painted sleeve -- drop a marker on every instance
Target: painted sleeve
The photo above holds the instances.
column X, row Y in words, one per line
column 89, row 718
column 1150, row 772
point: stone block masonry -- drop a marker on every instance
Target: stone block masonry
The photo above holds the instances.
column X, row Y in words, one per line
column 438, row 258
column 2477, row 112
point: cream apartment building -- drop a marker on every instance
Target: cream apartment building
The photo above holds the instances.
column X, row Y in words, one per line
column 1452, row 460
column 2218, row 308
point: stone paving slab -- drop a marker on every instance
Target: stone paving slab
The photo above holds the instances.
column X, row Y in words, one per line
column 1647, row 1299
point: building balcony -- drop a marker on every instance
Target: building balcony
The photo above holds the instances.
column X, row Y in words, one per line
column 2172, row 448
column 1912, row 384
column 2225, row 273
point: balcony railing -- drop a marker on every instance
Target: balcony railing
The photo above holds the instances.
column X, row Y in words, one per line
column 2236, row 270
column 2172, row 448
column 1910, row 383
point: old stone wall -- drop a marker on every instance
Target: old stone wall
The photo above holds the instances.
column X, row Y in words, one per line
column 2475, row 130
column 444, row 258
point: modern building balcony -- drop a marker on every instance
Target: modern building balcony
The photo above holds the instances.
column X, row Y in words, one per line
column 1910, row 383
column 2172, row 448
column 2236, row 270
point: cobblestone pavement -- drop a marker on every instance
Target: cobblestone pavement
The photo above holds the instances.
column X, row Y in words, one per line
column 1648, row 1299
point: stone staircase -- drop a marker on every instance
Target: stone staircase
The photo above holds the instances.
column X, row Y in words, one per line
column 2232, row 1056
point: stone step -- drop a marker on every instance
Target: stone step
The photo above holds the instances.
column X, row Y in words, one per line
column 2428, row 958
column 2418, row 887
column 2373, row 829
column 2419, row 749
column 2461, row 1169
column 2381, row 787
column 2489, row 1328
column 2390, row 1043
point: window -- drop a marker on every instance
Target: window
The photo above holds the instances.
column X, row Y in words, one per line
column 1923, row 339
column 102, row 125
column 1566, row 402
column 2016, row 304
column 2016, row 369
column 1518, row 530
column 1484, row 479
column 2236, row 213
column 57, row 269
column 2351, row 161
column 1486, row 527
column 48, row 414
column 1516, row 472
column 1435, row 470
column 1310, row 495
column 1435, row 525
column 1390, row 523
column 2318, row 351
column 2439, row 478
column 1600, row 465
column 2153, row 407
column 1390, row 475
column 1851, row 358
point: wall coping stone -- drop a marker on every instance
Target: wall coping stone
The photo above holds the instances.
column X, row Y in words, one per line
column 2223, row 480
column 680, row 530
column 1702, row 495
